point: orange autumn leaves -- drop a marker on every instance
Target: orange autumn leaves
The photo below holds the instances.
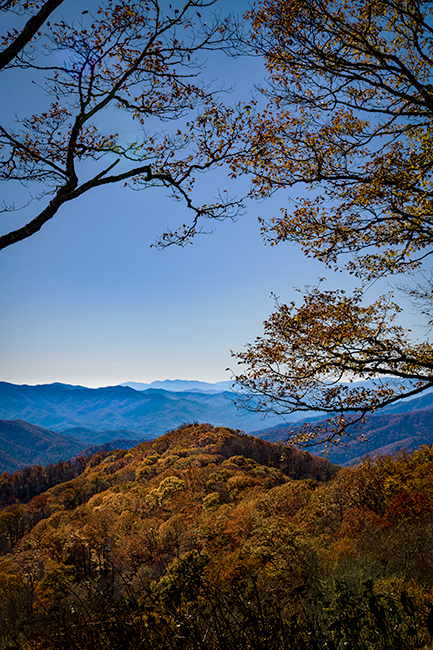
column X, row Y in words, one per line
column 347, row 132
column 236, row 552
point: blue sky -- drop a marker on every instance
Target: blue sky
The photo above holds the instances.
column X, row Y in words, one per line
column 88, row 301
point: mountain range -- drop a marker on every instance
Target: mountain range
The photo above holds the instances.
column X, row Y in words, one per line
column 43, row 424
column 183, row 385
column 23, row 444
column 146, row 413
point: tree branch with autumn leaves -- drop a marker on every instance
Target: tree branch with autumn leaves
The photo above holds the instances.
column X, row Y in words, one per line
column 137, row 65
column 310, row 356
column 347, row 132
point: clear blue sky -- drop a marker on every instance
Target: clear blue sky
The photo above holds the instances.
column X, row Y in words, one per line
column 87, row 301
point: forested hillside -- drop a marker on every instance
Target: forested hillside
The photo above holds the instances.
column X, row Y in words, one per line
column 208, row 538
column 23, row 444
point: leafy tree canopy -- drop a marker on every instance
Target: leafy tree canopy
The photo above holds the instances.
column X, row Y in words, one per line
column 207, row 538
column 348, row 125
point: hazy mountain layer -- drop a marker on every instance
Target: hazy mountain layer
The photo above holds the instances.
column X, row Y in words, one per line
column 23, row 444
column 88, row 417
column 90, row 436
column 183, row 385
column 146, row 413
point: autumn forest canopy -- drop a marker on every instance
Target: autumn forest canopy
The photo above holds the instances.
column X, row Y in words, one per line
column 339, row 132
column 208, row 538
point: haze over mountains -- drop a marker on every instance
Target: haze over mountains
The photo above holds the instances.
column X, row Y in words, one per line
column 23, row 444
column 46, row 423
column 183, row 385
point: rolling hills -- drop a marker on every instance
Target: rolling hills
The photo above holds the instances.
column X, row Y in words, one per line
column 23, row 444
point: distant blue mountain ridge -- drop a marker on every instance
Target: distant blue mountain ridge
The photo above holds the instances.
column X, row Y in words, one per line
column 183, row 385
column 146, row 413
